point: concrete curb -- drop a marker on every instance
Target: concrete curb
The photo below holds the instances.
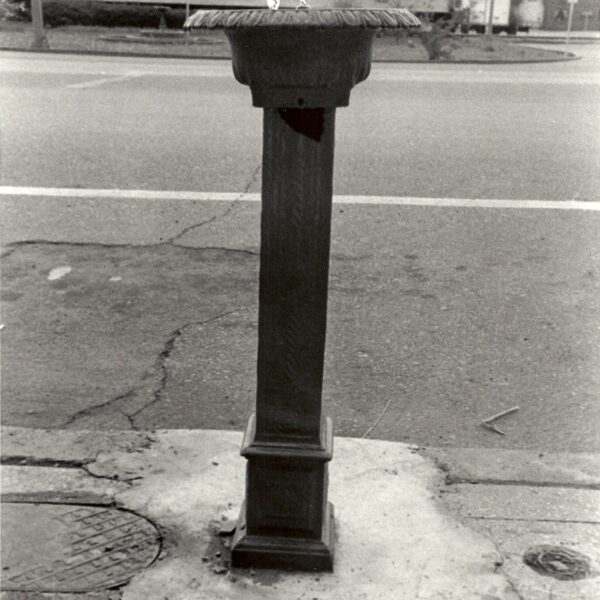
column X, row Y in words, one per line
column 555, row 40
column 517, row 467
column 22, row 446
column 561, row 58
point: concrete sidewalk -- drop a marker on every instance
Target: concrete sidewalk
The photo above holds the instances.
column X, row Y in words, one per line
column 410, row 523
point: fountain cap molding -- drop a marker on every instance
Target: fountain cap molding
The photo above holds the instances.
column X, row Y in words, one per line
column 330, row 18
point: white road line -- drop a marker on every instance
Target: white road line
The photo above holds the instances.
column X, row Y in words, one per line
column 98, row 82
column 469, row 202
column 50, row 192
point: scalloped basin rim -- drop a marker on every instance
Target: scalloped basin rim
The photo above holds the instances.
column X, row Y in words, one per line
column 289, row 18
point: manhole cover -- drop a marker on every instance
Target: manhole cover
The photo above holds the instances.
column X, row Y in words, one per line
column 558, row 562
column 73, row 548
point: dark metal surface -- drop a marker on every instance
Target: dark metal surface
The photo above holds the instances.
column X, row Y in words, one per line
column 286, row 521
column 558, row 562
column 73, row 548
column 301, row 68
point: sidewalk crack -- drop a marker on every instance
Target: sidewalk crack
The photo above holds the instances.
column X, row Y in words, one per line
column 115, row 477
column 22, row 460
column 220, row 248
column 90, row 411
column 499, row 565
column 512, row 585
column 14, row 245
column 458, row 480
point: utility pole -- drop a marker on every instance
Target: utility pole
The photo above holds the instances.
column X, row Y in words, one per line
column 490, row 24
column 569, row 23
column 40, row 41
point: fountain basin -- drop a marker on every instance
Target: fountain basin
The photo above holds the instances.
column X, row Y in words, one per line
column 301, row 58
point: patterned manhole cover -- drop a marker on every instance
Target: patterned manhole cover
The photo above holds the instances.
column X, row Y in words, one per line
column 73, row 548
column 558, row 562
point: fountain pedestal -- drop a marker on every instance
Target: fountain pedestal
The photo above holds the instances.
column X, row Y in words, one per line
column 300, row 66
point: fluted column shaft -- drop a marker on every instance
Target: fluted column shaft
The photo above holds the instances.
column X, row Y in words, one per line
column 294, row 267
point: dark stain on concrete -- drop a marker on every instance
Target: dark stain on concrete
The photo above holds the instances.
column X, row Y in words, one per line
column 9, row 295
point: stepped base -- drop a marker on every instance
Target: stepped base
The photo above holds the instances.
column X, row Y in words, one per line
column 273, row 552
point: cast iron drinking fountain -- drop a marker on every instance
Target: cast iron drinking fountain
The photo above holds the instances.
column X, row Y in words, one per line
column 300, row 65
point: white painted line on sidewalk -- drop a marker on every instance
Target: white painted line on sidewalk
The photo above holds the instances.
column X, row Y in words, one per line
column 98, row 82
column 51, row 192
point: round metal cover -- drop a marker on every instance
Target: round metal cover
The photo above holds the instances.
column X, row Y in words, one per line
column 557, row 561
column 73, row 548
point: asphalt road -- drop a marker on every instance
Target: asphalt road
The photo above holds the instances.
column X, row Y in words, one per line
column 440, row 315
column 461, row 131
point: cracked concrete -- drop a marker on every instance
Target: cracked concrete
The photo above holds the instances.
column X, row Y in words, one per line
column 69, row 446
column 68, row 451
column 110, row 317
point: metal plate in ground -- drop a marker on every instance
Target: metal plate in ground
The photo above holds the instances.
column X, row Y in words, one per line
column 73, row 548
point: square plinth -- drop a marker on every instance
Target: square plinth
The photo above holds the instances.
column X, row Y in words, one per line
column 272, row 552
